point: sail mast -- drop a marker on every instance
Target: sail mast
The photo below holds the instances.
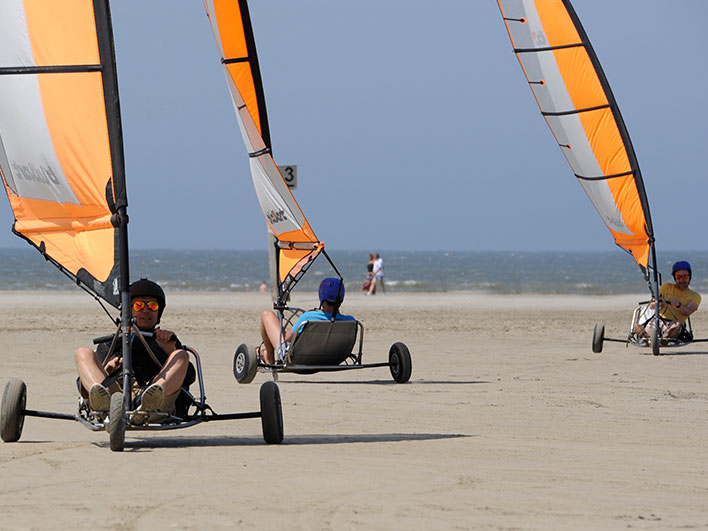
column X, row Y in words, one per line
column 119, row 219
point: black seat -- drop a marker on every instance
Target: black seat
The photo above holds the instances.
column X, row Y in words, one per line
column 323, row 343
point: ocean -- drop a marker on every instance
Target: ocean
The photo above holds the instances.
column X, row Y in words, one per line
column 503, row 272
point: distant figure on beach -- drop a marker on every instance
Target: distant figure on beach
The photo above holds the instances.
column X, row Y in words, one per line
column 263, row 287
column 378, row 276
column 676, row 302
column 331, row 295
column 369, row 274
column 164, row 374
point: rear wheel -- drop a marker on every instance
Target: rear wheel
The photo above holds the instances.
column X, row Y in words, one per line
column 12, row 415
column 245, row 364
column 116, row 424
column 598, row 337
column 271, row 413
column 399, row 359
column 654, row 339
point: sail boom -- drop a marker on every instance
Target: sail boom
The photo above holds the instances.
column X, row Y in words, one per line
column 303, row 246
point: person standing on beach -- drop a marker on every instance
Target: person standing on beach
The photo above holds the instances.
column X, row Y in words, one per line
column 164, row 374
column 369, row 274
column 378, row 276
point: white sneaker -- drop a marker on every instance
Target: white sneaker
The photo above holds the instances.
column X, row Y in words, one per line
column 282, row 351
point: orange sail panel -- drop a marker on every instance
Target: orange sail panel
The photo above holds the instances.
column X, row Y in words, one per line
column 576, row 101
column 297, row 243
column 55, row 153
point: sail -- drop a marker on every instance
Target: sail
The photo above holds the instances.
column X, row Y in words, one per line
column 576, row 101
column 61, row 158
column 297, row 244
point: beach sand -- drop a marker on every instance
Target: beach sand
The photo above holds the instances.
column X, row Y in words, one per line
column 509, row 422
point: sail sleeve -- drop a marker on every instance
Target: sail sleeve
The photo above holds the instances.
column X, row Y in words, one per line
column 296, row 241
column 576, row 101
column 56, row 154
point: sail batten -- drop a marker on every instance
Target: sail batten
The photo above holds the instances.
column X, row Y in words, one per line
column 577, row 103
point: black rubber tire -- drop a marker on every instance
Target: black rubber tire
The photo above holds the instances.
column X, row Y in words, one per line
column 654, row 341
column 271, row 413
column 598, row 337
column 12, row 415
column 245, row 364
column 399, row 359
column 116, row 424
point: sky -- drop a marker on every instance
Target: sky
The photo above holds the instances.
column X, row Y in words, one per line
column 411, row 123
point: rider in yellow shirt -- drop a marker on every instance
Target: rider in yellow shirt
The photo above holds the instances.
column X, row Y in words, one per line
column 677, row 301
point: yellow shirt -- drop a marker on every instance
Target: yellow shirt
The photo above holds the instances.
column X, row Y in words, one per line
column 670, row 292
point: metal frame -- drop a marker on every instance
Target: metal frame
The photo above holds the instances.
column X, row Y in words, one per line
column 635, row 340
column 354, row 357
column 203, row 413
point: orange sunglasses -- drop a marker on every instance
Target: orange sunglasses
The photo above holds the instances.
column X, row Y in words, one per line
column 153, row 306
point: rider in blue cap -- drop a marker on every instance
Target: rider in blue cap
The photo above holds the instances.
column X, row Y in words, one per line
column 331, row 294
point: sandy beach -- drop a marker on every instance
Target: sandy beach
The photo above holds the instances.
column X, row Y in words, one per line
column 509, row 422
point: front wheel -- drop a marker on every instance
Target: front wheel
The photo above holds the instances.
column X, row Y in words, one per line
column 12, row 415
column 245, row 364
column 271, row 413
column 116, row 424
column 399, row 359
column 598, row 337
column 654, row 339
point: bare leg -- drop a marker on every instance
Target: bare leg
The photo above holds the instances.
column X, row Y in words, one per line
column 383, row 289
column 270, row 333
column 372, row 288
column 173, row 372
column 89, row 369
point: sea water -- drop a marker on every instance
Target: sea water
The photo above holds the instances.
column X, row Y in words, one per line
column 504, row 272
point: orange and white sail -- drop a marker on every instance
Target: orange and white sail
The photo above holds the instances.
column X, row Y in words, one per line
column 61, row 157
column 576, row 101
column 297, row 244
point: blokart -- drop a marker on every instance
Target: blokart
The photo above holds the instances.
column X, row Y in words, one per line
column 321, row 346
column 642, row 316
column 550, row 44
column 191, row 410
column 69, row 199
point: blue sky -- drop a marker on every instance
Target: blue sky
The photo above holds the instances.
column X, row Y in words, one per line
column 411, row 123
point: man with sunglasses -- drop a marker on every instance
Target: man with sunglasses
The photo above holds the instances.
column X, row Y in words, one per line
column 164, row 370
column 676, row 303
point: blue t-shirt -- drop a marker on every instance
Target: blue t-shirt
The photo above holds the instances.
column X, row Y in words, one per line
column 318, row 315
